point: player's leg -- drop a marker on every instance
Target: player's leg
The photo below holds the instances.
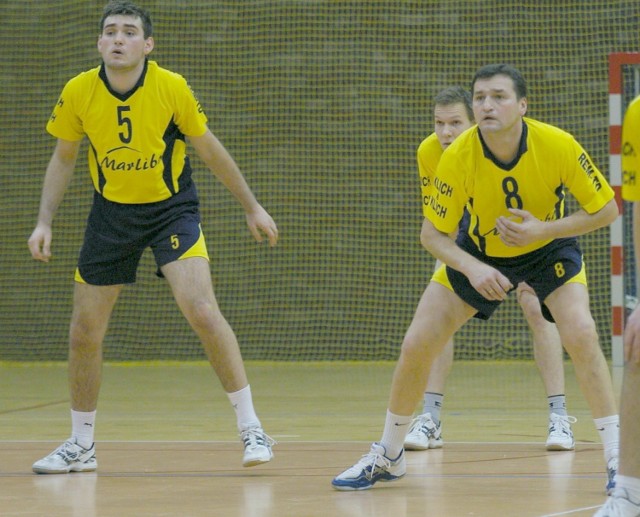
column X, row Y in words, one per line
column 191, row 285
column 190, row 281
column 547, row 351
column 625, row 497
column 92, row 307
column 630, row 421
column 569, row 305
column 426, row 429
column 439, row 314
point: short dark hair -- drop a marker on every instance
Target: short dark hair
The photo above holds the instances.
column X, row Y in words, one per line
column 488, row 71
column 454, row 95
column 127, row 8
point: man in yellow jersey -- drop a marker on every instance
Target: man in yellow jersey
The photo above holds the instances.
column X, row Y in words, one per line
column 625, row 499
column 453, row 114
column 512, row 174
column 137, row 118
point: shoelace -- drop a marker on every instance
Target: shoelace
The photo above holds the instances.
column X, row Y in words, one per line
column 621, row 493
column 424, row 425
column 375, row 460
column 66, row 451
column 562, row 423
column 253, row 438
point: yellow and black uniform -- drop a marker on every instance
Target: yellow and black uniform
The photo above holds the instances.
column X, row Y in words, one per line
column 144, row 194
column 549, row 163
column 631, row 152
column 428, row 156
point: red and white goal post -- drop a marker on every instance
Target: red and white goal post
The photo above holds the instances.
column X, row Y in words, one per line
column 618, row 100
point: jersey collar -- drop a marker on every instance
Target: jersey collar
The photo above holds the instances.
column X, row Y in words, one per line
column 123, row 96
column 522, row 148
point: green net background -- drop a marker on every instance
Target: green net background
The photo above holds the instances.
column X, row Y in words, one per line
column 322, row 104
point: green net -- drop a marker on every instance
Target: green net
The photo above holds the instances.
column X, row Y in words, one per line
column 322, row 104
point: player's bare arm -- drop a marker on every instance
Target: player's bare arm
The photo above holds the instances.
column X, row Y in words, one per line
column 56, row 180
column 523, row 228
column 220, row 162
column 488, row 281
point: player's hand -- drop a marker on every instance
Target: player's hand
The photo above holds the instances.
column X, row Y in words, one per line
column 490, row 283
column 40, row 243
column 260, row 224
column 632, row 337
column 520, row 229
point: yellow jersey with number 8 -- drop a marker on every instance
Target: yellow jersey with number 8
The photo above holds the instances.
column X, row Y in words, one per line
column 549, row 163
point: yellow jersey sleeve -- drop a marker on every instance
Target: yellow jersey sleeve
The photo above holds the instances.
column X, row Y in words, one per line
column 65, row 121
column 428, row 156
column 631, row 152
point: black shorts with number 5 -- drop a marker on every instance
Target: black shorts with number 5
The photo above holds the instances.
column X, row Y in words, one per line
column 117, row 234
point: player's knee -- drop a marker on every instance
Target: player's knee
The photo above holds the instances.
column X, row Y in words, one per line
column 581, row 336
column 83, row 336
column 417, row 347
column 203, row 314
column 532, row 312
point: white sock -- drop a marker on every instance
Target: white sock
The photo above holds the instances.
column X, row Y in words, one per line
column 609, row 430
column 82, row 427
column 242, row 403
column 395, row 431
column 432, row 405
column 630, row 484
column 557, row 404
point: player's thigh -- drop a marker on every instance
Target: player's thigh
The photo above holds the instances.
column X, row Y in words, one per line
column 190, row 282
column 439, row 314
column 569, row 305
column 92, row 307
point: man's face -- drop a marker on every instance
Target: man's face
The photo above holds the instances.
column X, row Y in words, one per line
column 449, row 122
column 495, row 104
column 122, row 44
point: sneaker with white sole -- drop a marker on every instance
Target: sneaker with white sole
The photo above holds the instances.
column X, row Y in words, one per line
column 69, row 457
column 423, row 434
column 257, row 446
column 619, row 504
column 372, row 467
column 560, row 436
column 612, row 470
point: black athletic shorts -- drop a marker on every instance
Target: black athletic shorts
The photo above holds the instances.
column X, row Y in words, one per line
column 117, row 234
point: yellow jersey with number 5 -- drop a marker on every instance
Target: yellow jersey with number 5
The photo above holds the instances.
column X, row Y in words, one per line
column 631, row 152
column 137, row 148
column 549, row 163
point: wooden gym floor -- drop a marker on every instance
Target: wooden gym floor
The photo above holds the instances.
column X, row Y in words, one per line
column 167, row 445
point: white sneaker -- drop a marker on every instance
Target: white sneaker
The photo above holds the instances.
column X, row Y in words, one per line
column 69, row 457
column 619, row 504
column 372, row 467
column 257, row 446
column 612, row 470
column 423, row 434
column 560, row 435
